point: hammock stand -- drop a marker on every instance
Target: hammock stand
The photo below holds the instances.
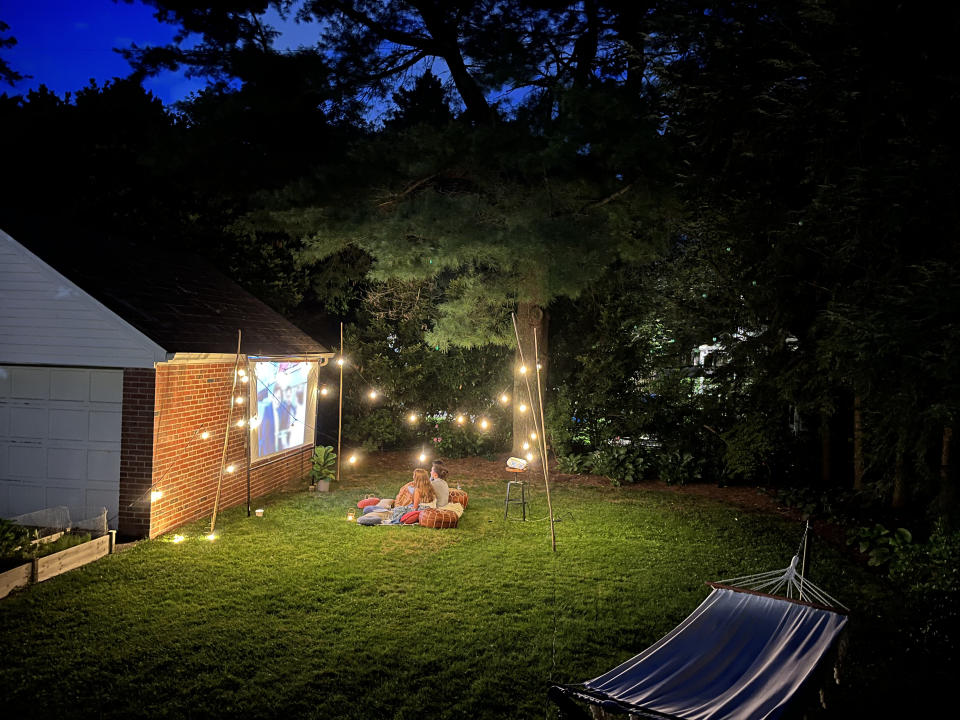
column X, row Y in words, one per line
column 741, row 655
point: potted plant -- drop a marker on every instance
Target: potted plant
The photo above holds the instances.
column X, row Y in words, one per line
column 324, row 468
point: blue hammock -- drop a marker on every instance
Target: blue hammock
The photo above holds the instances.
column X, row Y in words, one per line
column 741, row 655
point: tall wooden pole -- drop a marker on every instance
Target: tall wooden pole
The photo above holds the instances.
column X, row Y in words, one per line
column 226, row 437
column 246, row 422
column 543, row 442
column 340, row 400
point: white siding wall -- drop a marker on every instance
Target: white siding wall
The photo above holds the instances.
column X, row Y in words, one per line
column 47, row 320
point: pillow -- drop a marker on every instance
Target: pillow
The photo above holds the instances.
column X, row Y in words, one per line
column 410, row 518
column 441, row 490
column 458, row 496
column 367, row 501
column 438, row 518
column 370, row 519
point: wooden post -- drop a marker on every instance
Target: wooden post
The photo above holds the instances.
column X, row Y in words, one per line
column 226, row 437
column 340, row 401
column 246, row 419
column 543, row 443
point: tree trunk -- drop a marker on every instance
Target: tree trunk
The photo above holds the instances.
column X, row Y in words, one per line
column 526, row 411
column 857, row 444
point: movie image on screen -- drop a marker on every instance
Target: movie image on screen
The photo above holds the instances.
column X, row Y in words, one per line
column 283, row 396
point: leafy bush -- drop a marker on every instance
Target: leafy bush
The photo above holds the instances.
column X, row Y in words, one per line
column 379, row 429
column 573, row 464
column 13, row 540
column 625, row 464
column 679, row 467
column 452, row 440
column 879, row 544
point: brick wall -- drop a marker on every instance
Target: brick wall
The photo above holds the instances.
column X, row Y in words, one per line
column 192, row 399
column 136, row 452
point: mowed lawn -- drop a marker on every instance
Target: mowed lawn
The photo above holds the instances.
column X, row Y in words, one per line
column 301, row 613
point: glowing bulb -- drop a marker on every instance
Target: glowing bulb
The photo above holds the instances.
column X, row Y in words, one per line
column 239, row 399
column 340, row 362
column 523, row 369
column 242, row 373
column 539, row 366
column 211, row 537
column 241, row 422
column 533, row 436
column 178, row 538
column 353, row 459
column 522, row 408
column 244, row 379
column 373, row 394
column 231, row 468
column 526, row 446
column 204, row 435
column 423, row 457
column 504, row 399
column 254, row 422
column 350, row 516
column 324, row 390
column 484, row 424
column 156, row 495
column 529, row 456
column 413, row 417
column 461, row 419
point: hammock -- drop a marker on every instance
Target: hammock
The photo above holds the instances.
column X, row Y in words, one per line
column 742, row 654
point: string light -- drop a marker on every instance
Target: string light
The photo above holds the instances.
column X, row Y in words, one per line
column 530, row 456
column 484, row 424
column 340, row 361
column 156, row 495
column 504, row 398
column 231, row 468
column 461, row 419
column 522, row 408
column 238, row 399
column 352, row 460
column 242, row 373
column 204, row 435
column 533, row 436
column 423, row 457
column 373, row 394
column 523, row 369
column 526, row 445
column 413, row 417
column 244, row 378
column 241, row 422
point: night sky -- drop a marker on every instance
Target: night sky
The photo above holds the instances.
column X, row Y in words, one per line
column 65, row 43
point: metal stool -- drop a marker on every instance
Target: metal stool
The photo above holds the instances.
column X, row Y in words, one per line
column 523, row 494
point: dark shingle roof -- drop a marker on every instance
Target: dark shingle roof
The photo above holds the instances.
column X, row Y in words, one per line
column 178, row 300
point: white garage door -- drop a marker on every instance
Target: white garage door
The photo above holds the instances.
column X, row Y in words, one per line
column 59, row 439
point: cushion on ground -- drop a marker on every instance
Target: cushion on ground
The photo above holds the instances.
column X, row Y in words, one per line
column 458, row 496
column 410, row 518
column 367, row 501
column 438, row 518
column 370, row 519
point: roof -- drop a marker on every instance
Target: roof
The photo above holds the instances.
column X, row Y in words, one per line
column 176, row 298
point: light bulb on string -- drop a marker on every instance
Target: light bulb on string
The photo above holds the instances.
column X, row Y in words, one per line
column 530, row 456
column 373, row 394
column 239, row 399
column 523, row 369
column 461, row 419
column 231, row 468
column 352, row 460
column 526, row 445
column 504, row 398
column 423, row 457
column 324, row 391
column 204, row 435
column 522, row 408
column 533, row 436
column 241, row 422
column 412, row 417
column 341, row 361
column 244, row 378
column 484, row 424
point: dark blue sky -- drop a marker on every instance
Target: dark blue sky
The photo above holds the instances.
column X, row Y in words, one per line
column 64, row 43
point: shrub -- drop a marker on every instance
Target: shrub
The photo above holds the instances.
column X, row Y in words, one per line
column 625, row 464
column 13, row 540
column 573, row 464
column 452, row 440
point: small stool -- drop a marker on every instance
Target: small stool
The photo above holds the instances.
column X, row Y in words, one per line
column 523, row 494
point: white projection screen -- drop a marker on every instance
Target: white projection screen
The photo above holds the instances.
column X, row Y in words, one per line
column 283, row 404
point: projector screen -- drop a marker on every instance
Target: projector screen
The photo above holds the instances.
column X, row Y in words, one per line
column 285, row 396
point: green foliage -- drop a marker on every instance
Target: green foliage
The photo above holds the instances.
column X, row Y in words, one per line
column 67, row 540
column 450, row 439
column 573, row 464
column 624, row 465
column 881, row 545
column 13, row 540
column 323, row 463
column 680, row 467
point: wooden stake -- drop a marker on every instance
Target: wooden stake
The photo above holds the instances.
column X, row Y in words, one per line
column 340, row 400
column 543, row 443
column 226, row 437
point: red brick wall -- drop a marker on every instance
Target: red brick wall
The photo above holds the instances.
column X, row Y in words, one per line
column 136, row 452
column 191, row 399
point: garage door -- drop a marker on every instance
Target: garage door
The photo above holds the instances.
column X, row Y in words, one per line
column 59, row 439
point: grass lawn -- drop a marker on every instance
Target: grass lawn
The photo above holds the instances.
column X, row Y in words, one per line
column 302, row 614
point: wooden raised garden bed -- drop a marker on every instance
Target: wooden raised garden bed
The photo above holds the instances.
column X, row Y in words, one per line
column 44, row 568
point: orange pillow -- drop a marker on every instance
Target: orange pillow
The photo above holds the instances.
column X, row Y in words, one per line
column 410, row 518
column 438, row 518
column 458, row 496
column 366, row 502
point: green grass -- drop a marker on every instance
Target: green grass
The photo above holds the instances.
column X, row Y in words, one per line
column 302, row 614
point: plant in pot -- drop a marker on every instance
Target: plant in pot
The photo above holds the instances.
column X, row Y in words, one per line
column 324, row 468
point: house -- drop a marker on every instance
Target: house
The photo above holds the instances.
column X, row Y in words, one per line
column 122, row 386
